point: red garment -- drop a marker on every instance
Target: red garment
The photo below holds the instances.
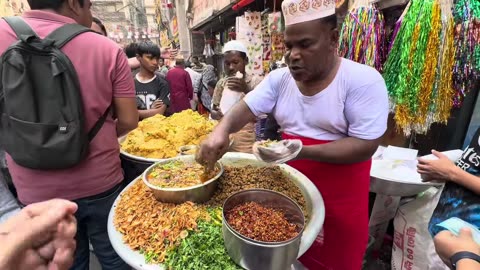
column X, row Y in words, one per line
column 345, row 189
column 181, row 89
column 202, row 110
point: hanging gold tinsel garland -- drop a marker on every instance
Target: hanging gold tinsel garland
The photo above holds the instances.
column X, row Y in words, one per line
column 418, row 70
column 443, row 103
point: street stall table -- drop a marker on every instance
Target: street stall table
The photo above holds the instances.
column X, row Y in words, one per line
column 313, row 203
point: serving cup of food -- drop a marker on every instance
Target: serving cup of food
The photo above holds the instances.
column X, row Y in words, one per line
column 181, row 179
column 262, row 229
column 277, row 152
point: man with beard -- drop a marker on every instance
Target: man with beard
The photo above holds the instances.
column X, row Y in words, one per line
column 338, row 108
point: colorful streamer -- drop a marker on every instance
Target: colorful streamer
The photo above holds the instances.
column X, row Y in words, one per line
column 418, row 70
column 362, row 36
column 467, row 43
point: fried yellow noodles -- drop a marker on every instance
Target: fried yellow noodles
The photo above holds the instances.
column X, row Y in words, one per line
column 161, row 137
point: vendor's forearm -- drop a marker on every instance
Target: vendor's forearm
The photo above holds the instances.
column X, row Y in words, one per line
column 345, row 151
column 236, row 118
column 465, row 179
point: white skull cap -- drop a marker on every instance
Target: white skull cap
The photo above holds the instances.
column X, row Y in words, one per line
column 235, row 45
column 299, row 11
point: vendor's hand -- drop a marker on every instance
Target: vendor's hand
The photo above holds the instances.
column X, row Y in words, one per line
column 237, row 85
column 447, row 244
column 440, row 169
column 216, row 114
column 158, row 104
column 213, row 148
column 40, row 236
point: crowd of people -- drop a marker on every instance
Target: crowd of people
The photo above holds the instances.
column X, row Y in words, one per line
column 336, row 107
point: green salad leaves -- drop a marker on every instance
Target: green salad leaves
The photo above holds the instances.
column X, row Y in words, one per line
column 203, row 248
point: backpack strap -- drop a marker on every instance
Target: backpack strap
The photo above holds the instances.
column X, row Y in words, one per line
column 23, row 31
column 64, row 34
column 98, row 125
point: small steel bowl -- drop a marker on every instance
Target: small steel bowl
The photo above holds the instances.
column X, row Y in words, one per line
column 252, row 254
column 199, row 193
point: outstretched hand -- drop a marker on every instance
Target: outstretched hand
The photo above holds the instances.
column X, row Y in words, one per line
column 447, row 244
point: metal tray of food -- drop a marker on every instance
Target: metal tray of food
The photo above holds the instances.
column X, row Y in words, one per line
column 144, row 159
column 134, row 157
column 314, row 206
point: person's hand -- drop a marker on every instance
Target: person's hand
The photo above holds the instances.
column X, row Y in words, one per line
column 133, row 63
column 41, row 236
column 213, row 148
column 158, row 104
column 440, row 169
column 237, row 85
column 216, row 114
column 447, row 244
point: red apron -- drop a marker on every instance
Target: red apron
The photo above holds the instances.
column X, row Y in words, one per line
column 342, row 243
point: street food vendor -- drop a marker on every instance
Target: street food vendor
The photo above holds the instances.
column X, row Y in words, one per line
column 339, row 109
column 238, row 82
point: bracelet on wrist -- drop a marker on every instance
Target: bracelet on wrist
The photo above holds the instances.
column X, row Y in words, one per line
column 464, row 255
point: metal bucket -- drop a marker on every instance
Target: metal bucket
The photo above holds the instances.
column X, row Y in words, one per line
column 133, row 168
column 252, row 254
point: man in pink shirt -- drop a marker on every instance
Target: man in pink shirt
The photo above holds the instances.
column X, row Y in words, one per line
column 105, row 80
column 181, row 89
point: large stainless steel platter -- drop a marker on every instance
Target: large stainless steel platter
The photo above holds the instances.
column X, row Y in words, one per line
column 315, row 207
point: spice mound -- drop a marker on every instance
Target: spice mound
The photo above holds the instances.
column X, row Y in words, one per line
column 178, row 174
column 261, row 223
column 236, row 179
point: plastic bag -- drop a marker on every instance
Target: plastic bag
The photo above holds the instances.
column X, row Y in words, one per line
column 230, row 97
column 413, row 247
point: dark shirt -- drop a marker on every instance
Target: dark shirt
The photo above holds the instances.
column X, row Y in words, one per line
column 148, row 92
column 272, row 129
column 456, row 200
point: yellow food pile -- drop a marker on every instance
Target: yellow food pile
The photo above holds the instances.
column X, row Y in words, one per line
column 161, row 137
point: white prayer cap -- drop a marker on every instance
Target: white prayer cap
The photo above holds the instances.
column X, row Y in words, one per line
column 235, row 45
column 299, row 11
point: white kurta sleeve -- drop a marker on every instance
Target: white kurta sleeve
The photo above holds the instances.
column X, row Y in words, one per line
column 366, row 110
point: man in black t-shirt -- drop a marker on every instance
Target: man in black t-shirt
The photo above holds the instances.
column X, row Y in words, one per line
column 153, row 93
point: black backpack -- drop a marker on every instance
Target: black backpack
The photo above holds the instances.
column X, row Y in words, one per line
column 41, row 110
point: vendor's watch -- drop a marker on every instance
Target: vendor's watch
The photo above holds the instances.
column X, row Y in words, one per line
column 463, row 255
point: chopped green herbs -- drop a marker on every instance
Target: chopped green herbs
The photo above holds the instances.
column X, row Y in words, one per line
column 203, row 248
